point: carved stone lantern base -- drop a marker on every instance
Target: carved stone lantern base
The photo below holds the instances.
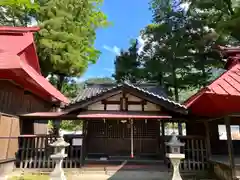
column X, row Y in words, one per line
column 175, row 160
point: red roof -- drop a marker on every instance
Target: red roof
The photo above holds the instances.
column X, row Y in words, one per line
column 19, row 41
column 19, row 62
column 20, row 29
column 221, row 97
column 25, row 75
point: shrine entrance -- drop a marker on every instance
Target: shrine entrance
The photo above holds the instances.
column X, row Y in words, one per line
column 123, row 138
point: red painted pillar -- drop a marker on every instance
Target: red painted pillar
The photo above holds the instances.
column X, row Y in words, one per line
column 132, row 153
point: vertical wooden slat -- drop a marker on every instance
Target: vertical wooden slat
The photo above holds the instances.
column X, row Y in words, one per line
column 71, row 158
column 230, row 146
column 36, row 158
column 31, row 151
column 52, row 161
column 185, row 151
column 197, row 141
column 49, row 140
column 40, row 152
column 84, row 133
column 202, row 155
column 76, row 157
column 189, row 158
column 45, row 150
column 208, row 144
column 180, row 130
column 193, row 155
column 163, row 141
column 27, row 152
column 65, row 161
column 23, row 150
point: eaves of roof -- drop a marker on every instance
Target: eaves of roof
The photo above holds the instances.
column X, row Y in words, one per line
column 95, row 93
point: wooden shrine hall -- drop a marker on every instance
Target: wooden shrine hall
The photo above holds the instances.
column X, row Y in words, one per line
column 120, row 121
column 131, row 122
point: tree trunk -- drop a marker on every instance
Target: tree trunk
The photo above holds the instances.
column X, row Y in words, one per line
column 13, row 18
column 204, row 75
column 160, row 79
column 61, row 78
column 229, row 6
column 175, row 85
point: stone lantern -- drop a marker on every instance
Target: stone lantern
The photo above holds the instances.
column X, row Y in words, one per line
column 175, row 155
column 58, row 156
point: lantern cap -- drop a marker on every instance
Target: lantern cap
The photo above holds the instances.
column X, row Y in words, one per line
column 174, row 141
column 60, row 143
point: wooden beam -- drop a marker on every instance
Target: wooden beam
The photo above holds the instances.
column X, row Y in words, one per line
column 110, row 102
column 208, row 142
column 163, row 140
column 126, row 104
column 137, row 103
column 230, row 146
column 83, row 147
column 180, row 130
column 119, row 102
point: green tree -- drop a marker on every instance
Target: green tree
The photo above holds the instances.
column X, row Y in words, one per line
column 99, row 80
column 70, row 87
column 17, row 12
column 66, row 39
column 223, row 16
column 182, row 49
column 127, row 65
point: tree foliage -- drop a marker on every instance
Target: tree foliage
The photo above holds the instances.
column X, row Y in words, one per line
column 17, row 12
column 179, row 48
column 68, row 30
column 127, row 64
column 98, row 80
column 67, row 35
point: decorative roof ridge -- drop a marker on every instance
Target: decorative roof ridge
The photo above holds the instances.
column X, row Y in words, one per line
column 132, row 86
column 159, row 97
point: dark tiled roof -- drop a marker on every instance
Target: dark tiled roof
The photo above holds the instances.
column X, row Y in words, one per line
column 94, row 90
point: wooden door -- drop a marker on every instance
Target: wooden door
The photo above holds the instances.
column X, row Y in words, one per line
column 113, row 137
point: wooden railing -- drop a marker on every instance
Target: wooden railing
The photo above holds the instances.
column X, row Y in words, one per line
column 34, row 152
column 195, row 153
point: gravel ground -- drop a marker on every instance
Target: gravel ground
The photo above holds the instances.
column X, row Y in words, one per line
column 120, row 175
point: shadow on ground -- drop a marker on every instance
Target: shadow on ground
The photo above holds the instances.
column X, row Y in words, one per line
column 130, row 171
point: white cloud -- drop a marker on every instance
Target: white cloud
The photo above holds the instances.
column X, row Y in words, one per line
column 114, row 49
column 111, row 70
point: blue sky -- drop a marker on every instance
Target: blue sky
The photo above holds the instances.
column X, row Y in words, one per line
column 128, row 17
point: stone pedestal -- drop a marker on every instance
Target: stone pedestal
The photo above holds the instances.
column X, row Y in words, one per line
column 175, row 155
column 175, row 160
column 58, row 156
